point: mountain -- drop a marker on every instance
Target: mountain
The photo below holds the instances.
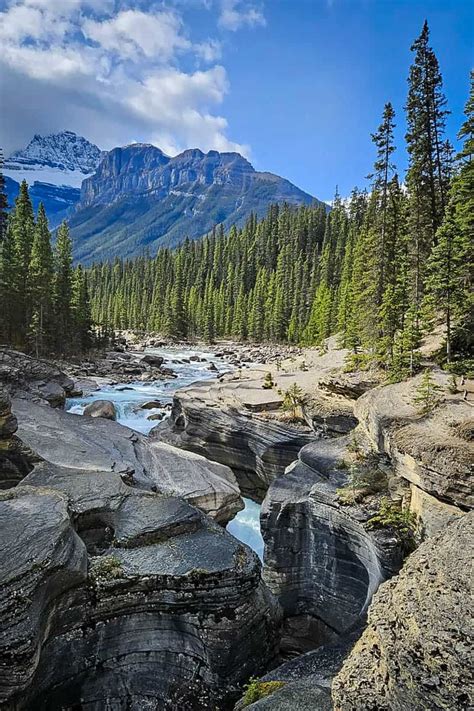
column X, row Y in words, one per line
column 132, row 198
column 54, row 167
column 141, row 198
column 58, row 200
column 59, row 159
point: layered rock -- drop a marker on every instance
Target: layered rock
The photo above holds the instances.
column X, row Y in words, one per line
column 321, row 560
column 125, row 599
column 101, row 445
column 16, row 460
column 416, row 652
column 426, row 451
column 205, row 419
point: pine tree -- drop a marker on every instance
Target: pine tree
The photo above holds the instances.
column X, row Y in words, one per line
column 426, row 176
column 63, row 287
column 22, row 225
column 383, row 171
column 451, row 263
column 40, row 283
column 8, row 288
column 3, row 201
column 81, row 310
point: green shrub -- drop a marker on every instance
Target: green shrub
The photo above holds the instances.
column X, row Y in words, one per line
column 401, row 521
column 256, row 690
column 107, row 567
column 428, row 394
column 268, row 382
column 452, row 384
column 362, row 480
column 293, row 399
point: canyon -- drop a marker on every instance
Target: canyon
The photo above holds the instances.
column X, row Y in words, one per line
column 126, row 588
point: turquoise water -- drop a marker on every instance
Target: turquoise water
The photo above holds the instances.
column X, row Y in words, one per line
column 128, row 397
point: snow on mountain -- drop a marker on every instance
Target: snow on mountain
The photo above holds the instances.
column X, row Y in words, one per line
column 59, row 159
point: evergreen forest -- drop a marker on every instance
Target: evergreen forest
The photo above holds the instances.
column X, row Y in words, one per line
column 379, row 269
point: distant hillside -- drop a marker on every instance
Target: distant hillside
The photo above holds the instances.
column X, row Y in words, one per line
column 140, row 198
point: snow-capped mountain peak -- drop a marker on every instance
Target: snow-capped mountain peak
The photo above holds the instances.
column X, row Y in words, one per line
column 62, row 158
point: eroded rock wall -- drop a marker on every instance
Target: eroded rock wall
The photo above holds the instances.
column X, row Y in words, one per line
column 256, row 450
column 123, row 599
column 321, row 560
column 416, row 652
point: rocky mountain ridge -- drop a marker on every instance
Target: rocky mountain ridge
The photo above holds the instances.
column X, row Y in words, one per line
column 65, row 151
column 135, row 197
column 139, row 197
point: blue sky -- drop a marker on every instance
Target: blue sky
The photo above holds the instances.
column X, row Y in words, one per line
column 296, row 85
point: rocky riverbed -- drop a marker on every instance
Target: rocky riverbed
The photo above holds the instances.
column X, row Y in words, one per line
column 122, row 589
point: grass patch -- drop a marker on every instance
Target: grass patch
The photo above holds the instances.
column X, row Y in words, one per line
column 256, row 690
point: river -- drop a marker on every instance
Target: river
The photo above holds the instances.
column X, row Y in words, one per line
column 128, row 397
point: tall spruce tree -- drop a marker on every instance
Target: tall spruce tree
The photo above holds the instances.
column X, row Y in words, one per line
column 9, row 324
column 80, row 309
column 63, row 288
column 23, row 227
column 451, row 263
column 40, row 284
column 3, row 201
column 426, row 178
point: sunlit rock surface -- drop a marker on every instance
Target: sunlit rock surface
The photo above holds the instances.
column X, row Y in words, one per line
column 102, row 445
column 416, row 652
column 204, row 419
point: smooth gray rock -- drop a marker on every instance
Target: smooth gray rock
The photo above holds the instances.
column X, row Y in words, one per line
column 256, row 450
column 100, row 445
column 321, row 562
column 149, row 605
column 101, row 408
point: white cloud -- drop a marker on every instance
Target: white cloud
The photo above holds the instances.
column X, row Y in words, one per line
column 235, row 14
column 209, row 51
column 112, row 75
column 130, row 32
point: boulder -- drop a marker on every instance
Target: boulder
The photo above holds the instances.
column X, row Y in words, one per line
column 151, row 405
column 101, row 408
column 416, row 652
column 155, row 361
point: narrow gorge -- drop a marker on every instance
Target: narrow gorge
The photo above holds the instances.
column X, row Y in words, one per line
column 127, row 591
